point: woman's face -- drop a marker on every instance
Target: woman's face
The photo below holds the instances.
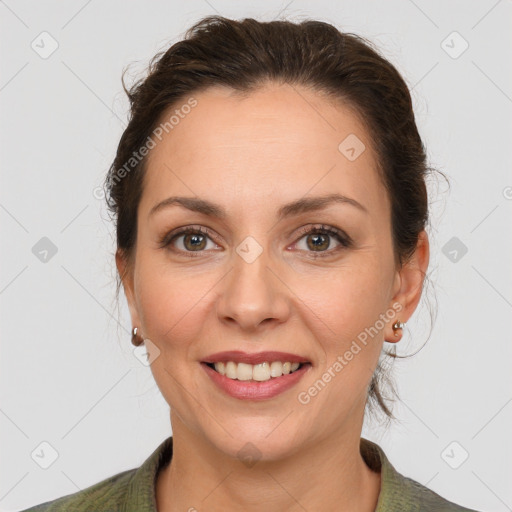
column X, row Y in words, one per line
column 254, row 281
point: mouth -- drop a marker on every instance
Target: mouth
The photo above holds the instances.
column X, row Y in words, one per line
column 261, row 372
column 256, row 376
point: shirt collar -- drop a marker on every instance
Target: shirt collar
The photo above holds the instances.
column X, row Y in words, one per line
column 395, row 490
column 141, row 491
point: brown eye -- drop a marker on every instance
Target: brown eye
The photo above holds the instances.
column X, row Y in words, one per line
column 188, row 240
column 194, row 241
column 319, row 239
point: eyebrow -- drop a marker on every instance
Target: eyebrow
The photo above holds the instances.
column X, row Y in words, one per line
column 303, row 205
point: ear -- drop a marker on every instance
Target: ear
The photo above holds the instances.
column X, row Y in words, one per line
column 126, row 273
column 409, row 285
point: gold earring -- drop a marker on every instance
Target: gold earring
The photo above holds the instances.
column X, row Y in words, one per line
column 137, row 339
column 398, row 325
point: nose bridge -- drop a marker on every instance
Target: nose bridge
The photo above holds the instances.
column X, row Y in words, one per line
column 252, row 293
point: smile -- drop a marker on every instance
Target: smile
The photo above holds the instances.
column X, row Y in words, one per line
column 258, row 372
column 255, row 376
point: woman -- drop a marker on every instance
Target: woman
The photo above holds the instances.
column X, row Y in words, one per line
column 270, row 203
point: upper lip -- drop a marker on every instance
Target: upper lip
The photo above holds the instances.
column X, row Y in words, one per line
column 239, row 356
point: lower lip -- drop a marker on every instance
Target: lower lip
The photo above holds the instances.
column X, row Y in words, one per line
column 253, row 390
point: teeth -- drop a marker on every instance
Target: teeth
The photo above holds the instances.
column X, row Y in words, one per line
column 244, row 371
column 230, row 370
column 259, row 372
column 276, row 369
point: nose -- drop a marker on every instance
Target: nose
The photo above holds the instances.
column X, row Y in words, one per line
column 253, row 295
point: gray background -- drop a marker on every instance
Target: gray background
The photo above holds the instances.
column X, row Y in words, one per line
column 68, row 374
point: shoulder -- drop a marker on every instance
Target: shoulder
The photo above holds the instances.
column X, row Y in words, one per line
column 425, row 499
column 129, row 491
column 399, row 492
column 108, row 494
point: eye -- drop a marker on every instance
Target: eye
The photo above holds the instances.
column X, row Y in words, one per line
column 317, row 239
column 193, row 240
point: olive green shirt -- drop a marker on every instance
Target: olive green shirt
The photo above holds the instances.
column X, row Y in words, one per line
column 134, row 490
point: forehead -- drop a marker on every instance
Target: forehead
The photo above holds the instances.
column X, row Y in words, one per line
column 272, row 145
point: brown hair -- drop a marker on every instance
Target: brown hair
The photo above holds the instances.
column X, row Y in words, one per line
column 245, row 54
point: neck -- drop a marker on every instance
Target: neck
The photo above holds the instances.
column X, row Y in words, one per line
column 329, row 475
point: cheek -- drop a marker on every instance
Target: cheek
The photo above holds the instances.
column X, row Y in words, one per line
column 171, row 303
column 173, row 310
column 346, row 325
column 344, row 302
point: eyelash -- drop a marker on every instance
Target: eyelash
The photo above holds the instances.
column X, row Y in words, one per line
column 345, row 241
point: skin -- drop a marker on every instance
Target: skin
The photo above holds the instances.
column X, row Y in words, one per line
column 251, row 155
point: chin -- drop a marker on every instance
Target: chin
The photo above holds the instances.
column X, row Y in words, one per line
column 258, row 440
